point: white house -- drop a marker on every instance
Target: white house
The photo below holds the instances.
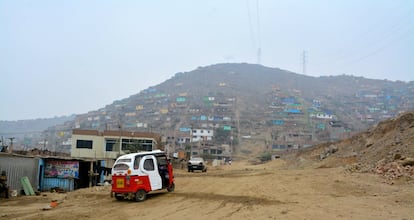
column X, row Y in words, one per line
column 106, row 144
column 202, row 135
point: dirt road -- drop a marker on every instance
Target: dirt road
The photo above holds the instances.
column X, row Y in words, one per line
column 239, row 191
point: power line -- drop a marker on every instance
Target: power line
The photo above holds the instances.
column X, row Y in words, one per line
column 381, row 48
column 253, row 35
column 384, row 39
column 372, row 29
column 259, row 50
column 250, row 24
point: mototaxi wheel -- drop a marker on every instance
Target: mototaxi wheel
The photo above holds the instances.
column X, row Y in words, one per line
column 140, row 195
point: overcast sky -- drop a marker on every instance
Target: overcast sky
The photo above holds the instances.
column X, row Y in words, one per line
column 63, row 57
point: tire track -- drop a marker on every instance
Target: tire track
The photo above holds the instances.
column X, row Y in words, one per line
column 244, row 200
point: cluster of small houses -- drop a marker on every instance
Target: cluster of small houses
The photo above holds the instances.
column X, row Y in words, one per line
column 293, row 121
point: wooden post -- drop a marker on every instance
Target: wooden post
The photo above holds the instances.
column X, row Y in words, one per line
column 90, row 174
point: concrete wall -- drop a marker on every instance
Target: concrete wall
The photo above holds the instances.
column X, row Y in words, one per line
column 98, row 147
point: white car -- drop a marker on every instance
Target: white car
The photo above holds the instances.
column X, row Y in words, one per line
column 196, row 163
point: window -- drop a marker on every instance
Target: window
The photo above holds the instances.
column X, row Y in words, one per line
column 109, row 146
column 148, row 164
column 124, row 160
column 121, row 166
column 136, row 145
column 84, row 144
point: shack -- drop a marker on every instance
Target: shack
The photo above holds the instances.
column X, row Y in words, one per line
column 19, row 166
column 65, row 174
column 48, row 173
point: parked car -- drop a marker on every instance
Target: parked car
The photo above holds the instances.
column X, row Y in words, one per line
column 197, row 163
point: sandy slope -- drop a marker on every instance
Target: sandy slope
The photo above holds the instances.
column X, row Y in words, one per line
column 239, row 191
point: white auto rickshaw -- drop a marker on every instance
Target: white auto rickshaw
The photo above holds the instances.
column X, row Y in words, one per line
column 135, row 175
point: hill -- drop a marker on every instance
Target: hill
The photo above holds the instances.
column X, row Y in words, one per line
column 31, row 125
column 28, row 133
column 273, row 107
column 261, row 106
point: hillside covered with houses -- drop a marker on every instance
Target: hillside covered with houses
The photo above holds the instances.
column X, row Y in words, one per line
column 212, row 110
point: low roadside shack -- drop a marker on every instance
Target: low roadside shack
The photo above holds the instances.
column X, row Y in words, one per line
column 29, row 174
column 65, row 174
column 59, row 174
column 20, row 170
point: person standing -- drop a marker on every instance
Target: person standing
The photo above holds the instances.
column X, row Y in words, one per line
column 3, row 184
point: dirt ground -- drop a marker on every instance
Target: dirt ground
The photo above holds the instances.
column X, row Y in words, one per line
column 237, row 191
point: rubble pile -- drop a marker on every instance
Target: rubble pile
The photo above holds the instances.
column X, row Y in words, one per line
column 386, row 149
column 396, row 169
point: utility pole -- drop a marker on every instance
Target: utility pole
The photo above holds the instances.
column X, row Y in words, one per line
column 120, row 130
column 2, row 145
column 191, row 142
column 304, row 54
column 120, row 139
column 11, row 144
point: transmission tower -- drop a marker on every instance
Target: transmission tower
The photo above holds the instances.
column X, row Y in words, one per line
column 304, row 54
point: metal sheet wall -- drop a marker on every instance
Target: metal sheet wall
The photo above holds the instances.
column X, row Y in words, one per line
column 65, row 184
column 17, row 167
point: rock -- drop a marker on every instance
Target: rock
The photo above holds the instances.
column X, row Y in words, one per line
column 333, row 149
column 368, row 145
column 328, row 151
column 355, row 167
column 408, row 162
column 397, row 156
